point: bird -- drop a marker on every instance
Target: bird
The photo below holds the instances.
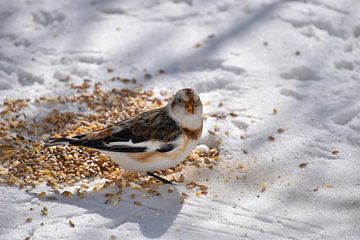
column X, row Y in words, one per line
column 154, row 140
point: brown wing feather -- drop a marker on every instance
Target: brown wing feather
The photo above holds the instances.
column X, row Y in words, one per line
column 154, row 125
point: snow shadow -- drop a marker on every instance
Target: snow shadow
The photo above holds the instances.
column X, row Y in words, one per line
column 235, row 31
column 154, row 213
column 201, row 58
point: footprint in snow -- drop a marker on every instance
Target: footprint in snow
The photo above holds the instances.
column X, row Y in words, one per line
column 344, row 64
column 46, row 18
column 301, row 73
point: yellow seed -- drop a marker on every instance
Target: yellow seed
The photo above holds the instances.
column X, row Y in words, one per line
column 42, row 194
column 44, row 211
column 263, row 187
column 16, row 163
column 67, row 194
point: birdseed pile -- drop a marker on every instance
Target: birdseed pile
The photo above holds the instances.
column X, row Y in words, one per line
column 24, row 161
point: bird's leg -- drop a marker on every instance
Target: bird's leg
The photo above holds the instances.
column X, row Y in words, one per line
column 165, row 181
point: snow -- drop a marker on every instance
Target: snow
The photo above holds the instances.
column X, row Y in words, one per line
column 298, row 57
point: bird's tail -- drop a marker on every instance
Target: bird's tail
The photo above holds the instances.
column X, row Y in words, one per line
column 58, row 141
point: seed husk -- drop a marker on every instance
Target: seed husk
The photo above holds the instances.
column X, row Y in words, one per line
column 71, row 223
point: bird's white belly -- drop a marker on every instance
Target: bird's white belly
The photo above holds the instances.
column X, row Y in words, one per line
column 152, row 161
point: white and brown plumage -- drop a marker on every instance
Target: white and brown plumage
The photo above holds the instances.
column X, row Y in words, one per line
column 154, row 140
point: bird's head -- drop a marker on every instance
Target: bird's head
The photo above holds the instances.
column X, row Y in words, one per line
column 186, row 108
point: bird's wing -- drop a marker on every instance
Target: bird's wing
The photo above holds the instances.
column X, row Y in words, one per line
column 151, row 131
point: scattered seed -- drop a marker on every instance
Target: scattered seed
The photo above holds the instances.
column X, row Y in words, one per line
column 42, row 194
column 82, row 194
column 271, row 138
column 280, row 130
column 66, row 194
column 263, row 187
column 327, row 185
column 211, row 132
column 335, row 152
column 71, row 223
column 202, row 187
column 198, row 45
column 303, row 165
column 44, row 211
column 191, row 185
column 181, row 178
column 185, row 195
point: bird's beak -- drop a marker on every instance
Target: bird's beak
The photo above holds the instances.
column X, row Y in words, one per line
column 190, row 106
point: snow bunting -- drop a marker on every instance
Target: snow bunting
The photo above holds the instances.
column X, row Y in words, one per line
column 154, row 140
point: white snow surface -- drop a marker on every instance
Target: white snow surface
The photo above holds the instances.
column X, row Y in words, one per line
column 299, row 57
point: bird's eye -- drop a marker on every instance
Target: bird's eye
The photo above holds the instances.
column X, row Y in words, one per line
column 179, row 100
